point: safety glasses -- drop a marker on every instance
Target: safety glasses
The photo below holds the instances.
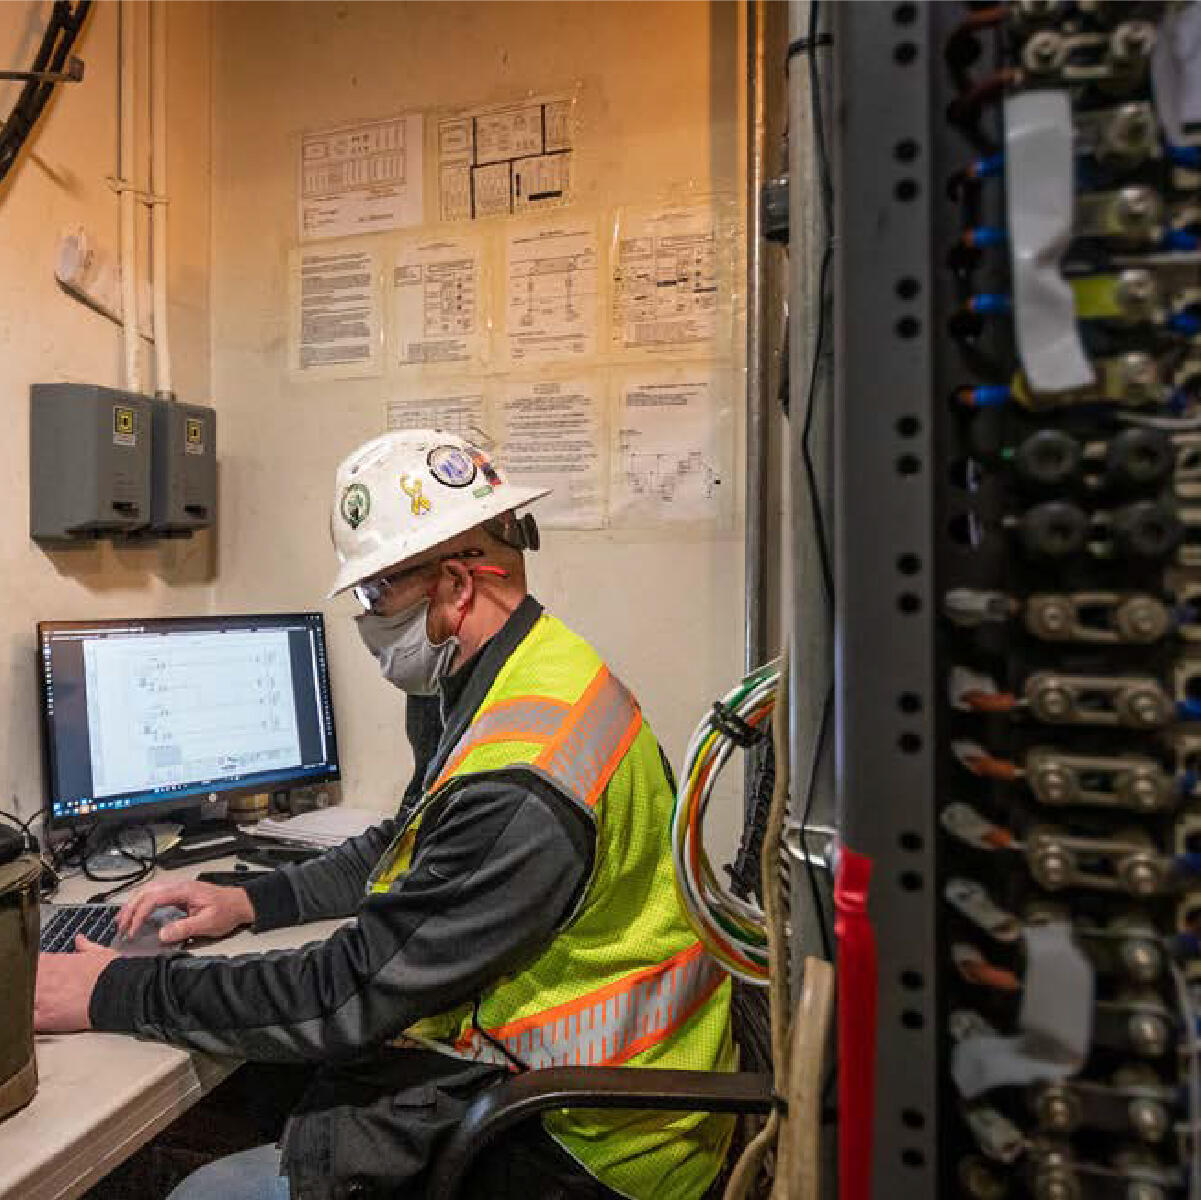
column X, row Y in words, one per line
column 374, row 594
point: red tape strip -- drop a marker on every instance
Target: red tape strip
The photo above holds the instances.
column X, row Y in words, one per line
column 857, row 1001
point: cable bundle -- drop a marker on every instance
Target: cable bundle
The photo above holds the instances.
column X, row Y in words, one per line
column 61, row 31
column 733, row 929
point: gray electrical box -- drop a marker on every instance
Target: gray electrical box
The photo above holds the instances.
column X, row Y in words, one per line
column 184, row 493
column 89, row 462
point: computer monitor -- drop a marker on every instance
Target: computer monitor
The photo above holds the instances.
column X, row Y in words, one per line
column 148, row 717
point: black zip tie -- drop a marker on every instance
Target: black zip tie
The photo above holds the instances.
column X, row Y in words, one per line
column 734, row 728
column 807, row 45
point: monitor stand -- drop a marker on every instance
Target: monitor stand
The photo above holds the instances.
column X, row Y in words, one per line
column 203, row 841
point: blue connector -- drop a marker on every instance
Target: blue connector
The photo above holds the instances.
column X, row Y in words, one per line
column 990, row 304
column 1189, row 710
column 985, row 396
column 1180, row 239
column 987, row 168
column 1184, row 156
column 1187, row 323
column 984, row 236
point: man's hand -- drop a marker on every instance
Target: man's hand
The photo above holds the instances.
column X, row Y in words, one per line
column 64, row 987
column 213, row 911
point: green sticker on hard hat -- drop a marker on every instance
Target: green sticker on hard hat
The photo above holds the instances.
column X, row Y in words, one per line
column 482, row 491
column 451, row 465
column 356, row 504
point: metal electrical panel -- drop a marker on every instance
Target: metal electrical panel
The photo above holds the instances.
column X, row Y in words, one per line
column 184, row 496
column 1017, row 478
column 90, row 460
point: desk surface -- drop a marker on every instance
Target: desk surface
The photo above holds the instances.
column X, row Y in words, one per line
column 102, row 1096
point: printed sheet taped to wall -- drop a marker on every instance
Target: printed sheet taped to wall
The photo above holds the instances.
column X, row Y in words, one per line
column 464, row 414
column 551, row 292
column 362, row 178
column 335, row 312
column 665, row 280
column 552, row 436
column 437, row 302
column 505, row 159
column 669, row 454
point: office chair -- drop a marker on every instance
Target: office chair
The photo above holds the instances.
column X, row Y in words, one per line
column 525, row 1096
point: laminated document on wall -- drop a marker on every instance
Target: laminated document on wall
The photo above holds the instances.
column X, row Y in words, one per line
column 335, row 327
column 361, row 178
column 671, row 453
column 666, row 279
column 551, row 299
column 439, row 301
column 552, row 435
column 460, row 412
column 505, row 158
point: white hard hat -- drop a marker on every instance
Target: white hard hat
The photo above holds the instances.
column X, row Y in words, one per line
column 407, row 491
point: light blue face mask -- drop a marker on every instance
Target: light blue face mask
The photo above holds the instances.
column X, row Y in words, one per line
column 402, row 648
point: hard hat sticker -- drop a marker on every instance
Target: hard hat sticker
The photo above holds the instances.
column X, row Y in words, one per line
column 451, row 466
column 484, row 463
column 356, row 504
column 412, row 489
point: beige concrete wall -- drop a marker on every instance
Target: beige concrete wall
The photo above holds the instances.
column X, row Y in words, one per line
column 46, row 336
column 662, row 92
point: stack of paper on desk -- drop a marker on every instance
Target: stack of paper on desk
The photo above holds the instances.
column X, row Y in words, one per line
column 320, row 827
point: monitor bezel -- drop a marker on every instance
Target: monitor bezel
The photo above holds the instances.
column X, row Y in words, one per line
column 195, row 803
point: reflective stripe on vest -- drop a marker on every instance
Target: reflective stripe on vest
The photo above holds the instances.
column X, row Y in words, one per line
column 583, row 743
column 611, row 1025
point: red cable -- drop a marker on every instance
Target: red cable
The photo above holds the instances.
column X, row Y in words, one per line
column 857, row 999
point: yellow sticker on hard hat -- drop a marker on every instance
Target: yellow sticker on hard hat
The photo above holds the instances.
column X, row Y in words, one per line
column 412, row 489
column 356, row 504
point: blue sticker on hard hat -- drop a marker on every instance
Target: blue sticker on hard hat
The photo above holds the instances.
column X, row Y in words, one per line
column 356, row 504
column 412, row 489
column 451, row 466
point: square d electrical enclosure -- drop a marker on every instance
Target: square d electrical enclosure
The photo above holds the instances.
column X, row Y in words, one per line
column 184, row 492
column 89, row 462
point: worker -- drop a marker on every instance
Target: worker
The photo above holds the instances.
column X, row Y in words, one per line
column 521, row 914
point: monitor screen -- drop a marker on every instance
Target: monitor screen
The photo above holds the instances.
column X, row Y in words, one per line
column 164, row 713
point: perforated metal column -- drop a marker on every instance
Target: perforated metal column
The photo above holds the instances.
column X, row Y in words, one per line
column 884, row 636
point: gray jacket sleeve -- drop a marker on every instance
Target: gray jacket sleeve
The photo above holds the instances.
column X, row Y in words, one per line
column 327, row 887
column 495, row 872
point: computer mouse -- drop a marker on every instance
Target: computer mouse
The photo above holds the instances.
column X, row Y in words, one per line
column 146, row 941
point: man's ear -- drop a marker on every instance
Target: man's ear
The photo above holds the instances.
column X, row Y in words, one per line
column 462, row 584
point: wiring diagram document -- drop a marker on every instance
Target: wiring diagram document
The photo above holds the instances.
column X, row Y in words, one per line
column 361, row 178
column 504, row 159
column 552, row 435
column 551, row 293
column 335, row 312
column 464, row 414
column 665, row 280
column 437, row 302
column 166, row 710
column 669, row 454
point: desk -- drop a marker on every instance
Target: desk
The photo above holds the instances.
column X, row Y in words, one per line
column 102, row 1096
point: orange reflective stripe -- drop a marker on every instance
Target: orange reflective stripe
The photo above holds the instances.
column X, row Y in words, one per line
column 585, row 752
column 583, row 743
column 610, row 1025
column 521, row 719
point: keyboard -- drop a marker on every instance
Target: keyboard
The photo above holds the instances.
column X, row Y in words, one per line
column 64, row 922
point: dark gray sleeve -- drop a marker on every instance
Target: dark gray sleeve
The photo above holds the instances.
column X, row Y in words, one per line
column 330, row 886
column 501, row 868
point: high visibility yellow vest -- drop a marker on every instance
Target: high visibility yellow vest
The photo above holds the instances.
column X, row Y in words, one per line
column 625, row 980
